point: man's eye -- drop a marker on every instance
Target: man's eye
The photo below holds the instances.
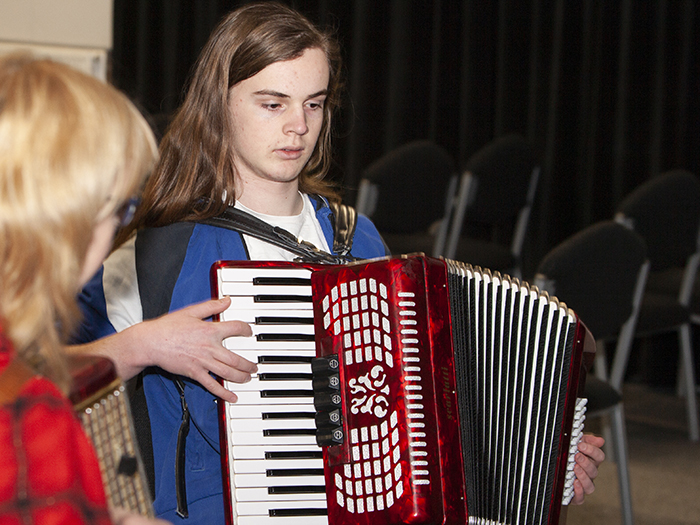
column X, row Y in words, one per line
column 272, row 105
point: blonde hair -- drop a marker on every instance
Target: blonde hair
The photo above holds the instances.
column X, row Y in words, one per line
column 72, row 150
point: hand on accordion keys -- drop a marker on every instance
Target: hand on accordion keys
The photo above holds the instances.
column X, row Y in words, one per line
column 182, row 343
column 588, row 460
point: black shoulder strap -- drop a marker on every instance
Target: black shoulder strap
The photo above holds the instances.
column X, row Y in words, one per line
column 243, row 222
column 160, row 253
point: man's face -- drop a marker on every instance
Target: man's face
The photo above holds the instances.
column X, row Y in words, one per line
column 276, row 116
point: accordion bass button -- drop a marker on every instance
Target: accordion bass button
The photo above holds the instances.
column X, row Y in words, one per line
column 324, row 366
column 328, row 437
column 326, row 383
column 328, row 419
column 327, row 401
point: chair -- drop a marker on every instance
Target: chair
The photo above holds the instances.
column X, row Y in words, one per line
column 600, row 273
column 405, row 193
column 495, row 196
column 665, row 211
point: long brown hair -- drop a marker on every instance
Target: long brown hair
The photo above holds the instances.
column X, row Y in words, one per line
column 196, row 168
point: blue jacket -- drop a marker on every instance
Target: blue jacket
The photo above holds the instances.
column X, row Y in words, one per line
column 176, row 265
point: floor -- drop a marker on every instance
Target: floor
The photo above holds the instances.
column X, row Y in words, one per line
column 664, row 465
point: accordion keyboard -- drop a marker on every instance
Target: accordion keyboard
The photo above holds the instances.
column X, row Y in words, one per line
column 275, row 467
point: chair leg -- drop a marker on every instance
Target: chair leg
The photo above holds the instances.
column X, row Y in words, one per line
column 600, row 363
column 688, row 370
column 617, row 422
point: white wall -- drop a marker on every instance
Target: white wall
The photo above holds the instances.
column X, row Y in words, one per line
column 74, row 23
column 77, row 32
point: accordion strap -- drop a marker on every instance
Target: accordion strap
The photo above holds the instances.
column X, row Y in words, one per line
column 244, row 222
column 345, row 224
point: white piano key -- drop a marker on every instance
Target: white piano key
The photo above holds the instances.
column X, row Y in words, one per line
column 248, row 274
column 262, row 480
column 256, row 438
column 234, row 289
column 247, row 302
column 258, row 425
column 258, row 450
column 262, row 508
column 262, row 465
column 286, row 384
column 286, row 368
column 250, row 343
column 247, row 397
column 306, row 329
column 250, row 316
column 261, row 494
column 254, row 355
column 292, row 520
column 239, row 411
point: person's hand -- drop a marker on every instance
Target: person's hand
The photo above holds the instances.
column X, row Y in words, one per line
column 588, row 459
column 124, row 517
column 183, row 343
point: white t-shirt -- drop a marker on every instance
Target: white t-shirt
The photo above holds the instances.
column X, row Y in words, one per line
column 304, row 226
column 121, row 285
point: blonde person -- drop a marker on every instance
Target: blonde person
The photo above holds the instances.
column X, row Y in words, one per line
column 73, row 153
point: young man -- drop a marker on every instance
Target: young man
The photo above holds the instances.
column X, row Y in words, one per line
column 254, row 133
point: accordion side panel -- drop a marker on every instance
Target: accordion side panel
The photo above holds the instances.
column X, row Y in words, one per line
column 440, row 320
column 388, row 469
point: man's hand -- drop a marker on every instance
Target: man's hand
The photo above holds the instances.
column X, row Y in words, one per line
column 182, row 343
column 588, row 459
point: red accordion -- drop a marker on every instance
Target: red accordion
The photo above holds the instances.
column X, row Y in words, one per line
column 441, row 394
column 101, row 402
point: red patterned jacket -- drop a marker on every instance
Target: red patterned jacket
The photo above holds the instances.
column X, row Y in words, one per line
column 49, row 474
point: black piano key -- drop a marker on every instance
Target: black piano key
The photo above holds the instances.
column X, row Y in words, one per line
column 282, row 359
column 289, row 415
column 286, row 513
column 284, row 376
column 281, row 281
column 286, row 393
column 268, row 320
column 298, row 489
column 289, row 472
column 285, row 337
column 277, row 432
column 294, row 454
column 274, row 298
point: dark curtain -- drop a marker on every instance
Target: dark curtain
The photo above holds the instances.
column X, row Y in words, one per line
column 608, row 92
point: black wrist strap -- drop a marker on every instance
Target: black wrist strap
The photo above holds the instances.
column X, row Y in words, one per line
column 243, row 222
